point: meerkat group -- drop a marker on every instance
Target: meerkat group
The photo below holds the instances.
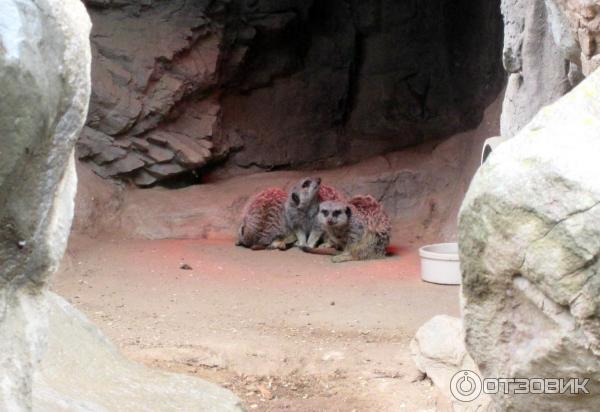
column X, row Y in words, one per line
column 318, row 219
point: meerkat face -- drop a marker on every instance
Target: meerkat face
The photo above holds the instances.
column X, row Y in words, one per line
column 305, row 191
column 334, row 214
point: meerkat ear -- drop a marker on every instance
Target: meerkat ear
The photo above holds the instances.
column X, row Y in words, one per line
column 318, row 180
column 296, row 198
column 348, row 211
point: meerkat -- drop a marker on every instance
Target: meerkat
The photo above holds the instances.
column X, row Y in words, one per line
column 263, row 221
column 360, row 228
column 301, row 209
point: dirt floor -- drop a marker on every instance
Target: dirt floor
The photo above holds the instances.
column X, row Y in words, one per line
column 285, row 331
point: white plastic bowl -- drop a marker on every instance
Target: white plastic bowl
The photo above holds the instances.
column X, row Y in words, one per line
column 439, row 263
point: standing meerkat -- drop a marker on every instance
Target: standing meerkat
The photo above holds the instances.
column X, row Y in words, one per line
column 359, row 228
column 302, row 206
column 263, row 221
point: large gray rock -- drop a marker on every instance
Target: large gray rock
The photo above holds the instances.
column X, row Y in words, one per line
column 83, row 371
column 529, row 237
column 45, row 80
column 45, row 83
column 538, row 73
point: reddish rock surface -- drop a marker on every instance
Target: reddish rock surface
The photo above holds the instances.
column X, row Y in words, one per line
column 421, row 189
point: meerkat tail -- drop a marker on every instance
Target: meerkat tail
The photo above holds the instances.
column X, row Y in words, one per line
column 328, row 251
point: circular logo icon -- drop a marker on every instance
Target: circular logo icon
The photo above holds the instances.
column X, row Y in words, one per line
column 465, row 385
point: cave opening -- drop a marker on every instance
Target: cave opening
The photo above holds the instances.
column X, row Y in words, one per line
column 192, row 92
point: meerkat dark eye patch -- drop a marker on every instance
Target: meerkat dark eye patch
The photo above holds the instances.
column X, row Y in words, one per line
column 336, row 213
column 305, row 184
column 325, row 213
column 296, row 198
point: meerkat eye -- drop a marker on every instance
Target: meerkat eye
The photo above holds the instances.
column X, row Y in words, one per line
column 325, row 213
column 336, row 213
column 296, row 198
column 305, row 184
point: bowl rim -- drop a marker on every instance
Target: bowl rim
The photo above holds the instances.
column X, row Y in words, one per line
column 428, row 254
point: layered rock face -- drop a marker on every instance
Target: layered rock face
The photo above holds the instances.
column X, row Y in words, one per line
column 529, row 244
column 239, row 86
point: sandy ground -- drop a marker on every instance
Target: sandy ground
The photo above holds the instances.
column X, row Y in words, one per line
column 286, row 331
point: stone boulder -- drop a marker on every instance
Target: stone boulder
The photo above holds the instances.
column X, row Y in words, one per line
column 45, row 80
column 83, row 371
column 438, row 350
column 529, row 239
column 45, row 83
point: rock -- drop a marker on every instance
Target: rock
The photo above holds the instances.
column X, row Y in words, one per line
column 307, row 84
column 528, row 237
column 83, row 371
column 161, row 155
column 438, row 350
column 127, row 164
column 144, row 179
column 538, row 74
column 577, row 22
column 165, row 170
column 52, row 358
column 44, row 78
column 140, row 144
column 188, row 151
column 96, row 204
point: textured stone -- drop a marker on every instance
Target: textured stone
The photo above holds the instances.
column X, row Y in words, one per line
column 83, row 371
column 127, row 164
column 438, row 350
column 144, row 179
column 188, row 151
column 421, row 190
column 160, row 154
column 538, row 73
column 581, row 19
column 529, row 235
column 164, row 170
column 305, row 83
column 51, row 357
column 45, row 82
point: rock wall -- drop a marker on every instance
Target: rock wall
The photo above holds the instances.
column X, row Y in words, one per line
column 549, row 47
column 421, row 189
column 191, row 89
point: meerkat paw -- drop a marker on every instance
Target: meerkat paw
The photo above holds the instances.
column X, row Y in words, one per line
column 326, row 244
column 279, row 244
column 342, row 258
